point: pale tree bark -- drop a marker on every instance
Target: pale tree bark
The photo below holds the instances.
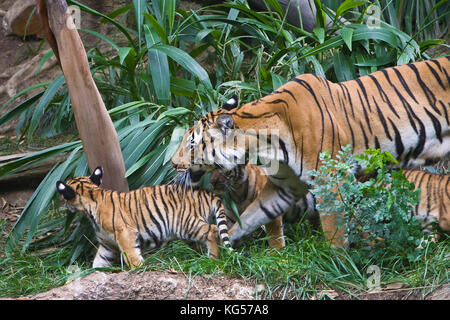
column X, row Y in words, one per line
column 95, row 127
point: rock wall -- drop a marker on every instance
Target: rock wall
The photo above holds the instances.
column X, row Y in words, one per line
column 21, row 55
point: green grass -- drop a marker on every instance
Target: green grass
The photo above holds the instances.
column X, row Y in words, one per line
column 24, row 273
column 10, row 145
column 304, row 268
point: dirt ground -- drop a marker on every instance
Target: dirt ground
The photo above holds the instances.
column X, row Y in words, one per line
column 157, row 285
column 153, row 285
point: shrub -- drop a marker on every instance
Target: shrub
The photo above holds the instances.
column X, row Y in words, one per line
column 376, row 213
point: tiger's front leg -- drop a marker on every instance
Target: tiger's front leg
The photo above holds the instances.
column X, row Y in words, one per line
column 282, row 190
column 129, row 246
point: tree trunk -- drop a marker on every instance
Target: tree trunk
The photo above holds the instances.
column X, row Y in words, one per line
column 97, row 132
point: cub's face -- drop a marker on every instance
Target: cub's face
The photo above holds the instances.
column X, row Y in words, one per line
column 77, row 192
column 228, row 181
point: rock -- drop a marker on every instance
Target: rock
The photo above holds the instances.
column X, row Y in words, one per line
column 25, row 72
column 442, row 293
column 16, row 18
column 150, row 285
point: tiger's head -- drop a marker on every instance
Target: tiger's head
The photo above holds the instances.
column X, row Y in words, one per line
column 78, row 192
column 210, row 144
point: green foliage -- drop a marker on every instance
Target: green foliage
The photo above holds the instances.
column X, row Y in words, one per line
column 424, row 20
column 377, row 212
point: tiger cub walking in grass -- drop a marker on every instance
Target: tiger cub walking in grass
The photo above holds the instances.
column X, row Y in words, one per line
column 244, row 183
column 434, row 203
column 125, row 222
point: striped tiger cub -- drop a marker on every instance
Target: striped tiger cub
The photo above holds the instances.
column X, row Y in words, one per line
column 125, row 222
column 434, row 204
column 244, row 183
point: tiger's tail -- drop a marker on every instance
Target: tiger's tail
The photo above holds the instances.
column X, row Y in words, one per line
column 221, row 222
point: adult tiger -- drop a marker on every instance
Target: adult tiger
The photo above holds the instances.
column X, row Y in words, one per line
column 125, row 222
column 403, row 110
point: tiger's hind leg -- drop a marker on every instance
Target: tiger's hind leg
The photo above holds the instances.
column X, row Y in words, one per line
column 273, row 201
column 332, row 232
column 274, row 230
column 208, row 234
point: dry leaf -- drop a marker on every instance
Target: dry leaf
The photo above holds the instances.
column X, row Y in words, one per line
column 394, row 285
column 330, row 294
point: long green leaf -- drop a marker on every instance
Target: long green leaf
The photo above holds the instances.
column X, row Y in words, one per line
column 186, row 61
column 20, row 109
column 140, row 7
column 156, row 27
column 35, row 158
column 347, row 5
column 347, row 36
column 45, row 101
column 134, row 151
column 103, row 37
column 158, row 66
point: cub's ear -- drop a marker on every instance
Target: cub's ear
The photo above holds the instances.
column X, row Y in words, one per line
column 231, row 103
column 225, row 122
column 67, row 192
column 96, row 176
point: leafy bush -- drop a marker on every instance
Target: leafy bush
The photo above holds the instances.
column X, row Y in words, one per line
column 376, row 213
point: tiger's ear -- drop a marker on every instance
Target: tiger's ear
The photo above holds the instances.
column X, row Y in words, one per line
column 231, row 103
column 96, row 176
column 67, row 192
column 225, row 122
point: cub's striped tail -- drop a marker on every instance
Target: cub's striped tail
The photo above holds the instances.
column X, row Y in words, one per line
column 221, row 222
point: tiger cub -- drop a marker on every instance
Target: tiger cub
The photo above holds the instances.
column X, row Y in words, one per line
column 244, row 183
column 125, row 222
column 434, row 203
